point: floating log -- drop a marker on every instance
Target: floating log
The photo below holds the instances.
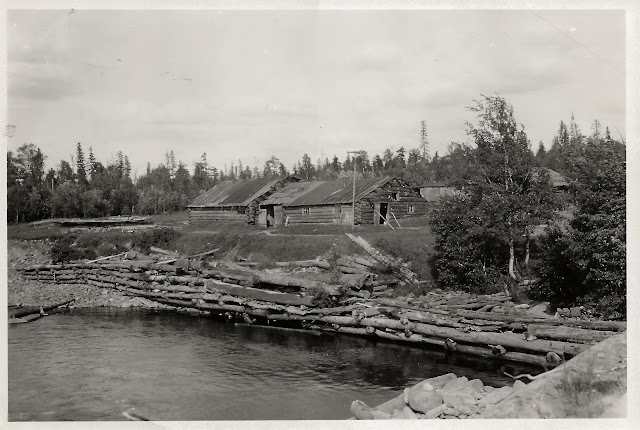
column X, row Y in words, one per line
column 28, row 310
column 569, row 334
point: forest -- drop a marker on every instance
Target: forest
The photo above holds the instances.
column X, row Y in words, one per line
column 486, row 233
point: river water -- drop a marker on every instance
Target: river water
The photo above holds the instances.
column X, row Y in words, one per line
column 94, row 364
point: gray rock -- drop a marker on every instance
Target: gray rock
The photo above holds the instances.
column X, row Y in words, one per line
column 435, row 412
column 424, row 400
column 497, row 395
column 439, row 381
column 455, row 384
column 473, row 386
column 462, row 402
column 518, row 384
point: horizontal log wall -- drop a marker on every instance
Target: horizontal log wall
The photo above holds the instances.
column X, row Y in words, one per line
column 199, row 215
column 325, row 214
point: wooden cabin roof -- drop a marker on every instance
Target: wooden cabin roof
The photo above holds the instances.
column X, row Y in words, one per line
column 557, row 179
column 234, row 193
column 309, row 193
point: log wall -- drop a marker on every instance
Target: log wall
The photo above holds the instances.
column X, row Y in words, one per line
column 205, row 215
column 320, row 214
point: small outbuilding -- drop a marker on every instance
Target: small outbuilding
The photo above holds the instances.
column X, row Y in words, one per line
column 377, row 201
column 433, row 192
column 235, row 200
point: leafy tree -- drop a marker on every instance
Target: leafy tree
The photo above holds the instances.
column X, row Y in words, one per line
column 586, row 262
column 500, row 202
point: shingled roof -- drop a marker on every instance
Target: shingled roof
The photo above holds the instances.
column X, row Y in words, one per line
column 234, row 193
column 324, row 192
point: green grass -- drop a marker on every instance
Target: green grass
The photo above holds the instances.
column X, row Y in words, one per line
column 297, row 242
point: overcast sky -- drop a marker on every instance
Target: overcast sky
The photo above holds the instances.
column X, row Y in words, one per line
column 250, row 84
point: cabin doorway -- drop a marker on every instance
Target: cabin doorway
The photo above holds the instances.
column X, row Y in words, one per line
column 383, row 213
column 270, row 216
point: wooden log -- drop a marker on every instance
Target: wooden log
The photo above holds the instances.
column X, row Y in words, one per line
column 528, row 319
column 225, row 273
column 474, row 305
column 176, row 288
column 425, row 317
column 106, row 258
column 24, row 319
column 205, row 254
column 304, row 263
column 164, row 294
column 335, row 310
column 508, row 340
column 116, row 280
column 164, row 251
column 176, row 279
column 28, row 310
column 122, row 274
column 255, row 293
column 291, row 281
column 406, row 274
column 569, row 334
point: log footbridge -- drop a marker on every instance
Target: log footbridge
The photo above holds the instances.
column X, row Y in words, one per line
column 489, row 326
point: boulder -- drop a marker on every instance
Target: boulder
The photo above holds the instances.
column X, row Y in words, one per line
column 435, row 412
column 473, row 386
column 497, row 395
column 439, row 381
column 462, row 402
column 424, row 400
column 518, row 384
column 455, row 384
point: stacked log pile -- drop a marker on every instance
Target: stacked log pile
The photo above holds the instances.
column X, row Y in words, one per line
column 490, row 326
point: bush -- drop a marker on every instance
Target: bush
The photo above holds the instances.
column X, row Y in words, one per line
column 160, row 237
column 65, row 249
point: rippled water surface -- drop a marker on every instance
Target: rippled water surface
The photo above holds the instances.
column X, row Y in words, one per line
column 96, row 364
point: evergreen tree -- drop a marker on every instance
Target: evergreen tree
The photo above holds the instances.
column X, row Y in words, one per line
column 80, row 167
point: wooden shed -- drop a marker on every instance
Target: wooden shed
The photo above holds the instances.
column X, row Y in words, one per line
column 235, row 200
column 433, row 192
column 378, row 200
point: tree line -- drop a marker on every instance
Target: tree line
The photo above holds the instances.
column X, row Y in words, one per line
column 487, row 234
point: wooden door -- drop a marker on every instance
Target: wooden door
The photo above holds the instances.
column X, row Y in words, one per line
column 278, row 218
column 262, row 218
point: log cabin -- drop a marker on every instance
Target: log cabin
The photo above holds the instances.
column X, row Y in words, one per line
column 235, row 201
column 378, row 201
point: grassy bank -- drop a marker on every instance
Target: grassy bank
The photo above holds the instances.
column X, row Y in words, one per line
column 412, row 243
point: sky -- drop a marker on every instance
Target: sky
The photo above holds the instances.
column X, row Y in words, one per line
column 246, row 85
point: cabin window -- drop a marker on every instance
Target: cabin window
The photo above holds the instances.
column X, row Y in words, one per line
column 411, row 209
column 305, row 211
column 395, row 197
column 337, row 209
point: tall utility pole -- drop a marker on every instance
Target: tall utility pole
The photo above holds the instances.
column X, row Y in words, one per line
column 424, row 143
column 353, row 215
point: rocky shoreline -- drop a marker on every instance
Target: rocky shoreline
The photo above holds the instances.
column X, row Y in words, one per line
column 26, row 292
column 592, row 384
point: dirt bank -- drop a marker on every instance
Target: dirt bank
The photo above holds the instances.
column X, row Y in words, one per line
column 24, row 292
